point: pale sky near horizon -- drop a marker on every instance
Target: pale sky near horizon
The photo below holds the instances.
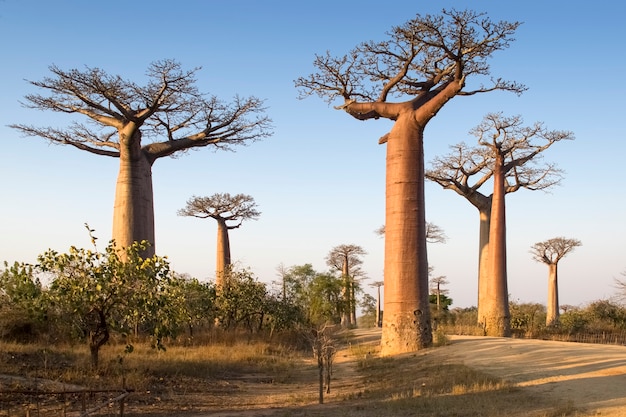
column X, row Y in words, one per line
column 319, row 180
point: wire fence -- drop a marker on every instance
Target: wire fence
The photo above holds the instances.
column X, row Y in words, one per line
column 79, row 403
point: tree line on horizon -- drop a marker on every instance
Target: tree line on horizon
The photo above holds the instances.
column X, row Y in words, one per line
column 94, row 296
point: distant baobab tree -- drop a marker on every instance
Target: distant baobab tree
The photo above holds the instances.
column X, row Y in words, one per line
column 168, row 110
column 434, row 233
column 436, row 284
column 229, row 212
column 509, row 154
column 378, row 284
column 408, row 79
column 550, row 252
column 347, row 259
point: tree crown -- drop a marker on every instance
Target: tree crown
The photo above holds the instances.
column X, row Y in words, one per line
column 168, row 106
column 417, row 61
column 551, row 251
column 222, row 207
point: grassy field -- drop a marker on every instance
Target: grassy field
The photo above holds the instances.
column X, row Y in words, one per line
column 257, row 378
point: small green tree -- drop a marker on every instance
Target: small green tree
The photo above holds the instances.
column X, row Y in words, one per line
column 243, row 302
column 21, row 302
column 200, row 310
column 369, row 308
column 98, row 293
column 326, row 303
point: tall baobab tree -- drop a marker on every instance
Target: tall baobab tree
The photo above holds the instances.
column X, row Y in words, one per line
column 425, row 63
column 511, row 147
column 229, row 212
column 347, row 259
column 550, row 252
column 466, row 169
column 128, row 119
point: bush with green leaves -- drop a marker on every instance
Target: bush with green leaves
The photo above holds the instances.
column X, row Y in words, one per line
column 22, row 304
column 97, row 293
column 527, row 319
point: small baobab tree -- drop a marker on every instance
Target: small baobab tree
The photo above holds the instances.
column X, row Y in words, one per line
column 377, row 285
column 408, row 78
column 138, row 124
column 347, row 259
column 436, row 288
column 229, row 212
column 550, row 252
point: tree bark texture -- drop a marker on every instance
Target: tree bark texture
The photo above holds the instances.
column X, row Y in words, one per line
column 222, row 262
column 133, row 211
column 552, row 316
column 483, row 263
column 497, row 322
column 406, row 319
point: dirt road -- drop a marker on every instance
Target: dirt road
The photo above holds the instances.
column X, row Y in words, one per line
column 592, row 376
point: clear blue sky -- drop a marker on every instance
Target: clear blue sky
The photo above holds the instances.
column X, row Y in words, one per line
column 319, row 180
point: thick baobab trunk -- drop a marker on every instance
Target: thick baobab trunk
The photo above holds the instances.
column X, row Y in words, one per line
column 497, row 316
column 552, row 316
column 222, row 264
column 406, row 319
column 483, row 263
column 133, row 210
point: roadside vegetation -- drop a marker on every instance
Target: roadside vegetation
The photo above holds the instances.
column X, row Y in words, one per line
column 180, row 346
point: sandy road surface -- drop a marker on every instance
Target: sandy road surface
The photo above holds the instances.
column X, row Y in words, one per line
column 592, row 376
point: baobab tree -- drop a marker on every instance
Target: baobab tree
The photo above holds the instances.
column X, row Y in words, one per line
column 512, row 147
column 229, row 212
column 167, row 112
column 466, row 169
column 347, row 259
column 436, row 284
column 550, row 252
column 425, row 63
column 378, row 284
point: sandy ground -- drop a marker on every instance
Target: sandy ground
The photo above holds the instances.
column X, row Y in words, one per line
column 592, row 376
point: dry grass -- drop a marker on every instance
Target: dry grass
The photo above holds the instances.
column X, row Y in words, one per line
column 279, row 381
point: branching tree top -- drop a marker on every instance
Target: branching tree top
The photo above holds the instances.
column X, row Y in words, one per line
column 465, row 169
column 168, row 106
column 222, row 207
column 419, row 59
column 342, row 254
column 551, row 251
